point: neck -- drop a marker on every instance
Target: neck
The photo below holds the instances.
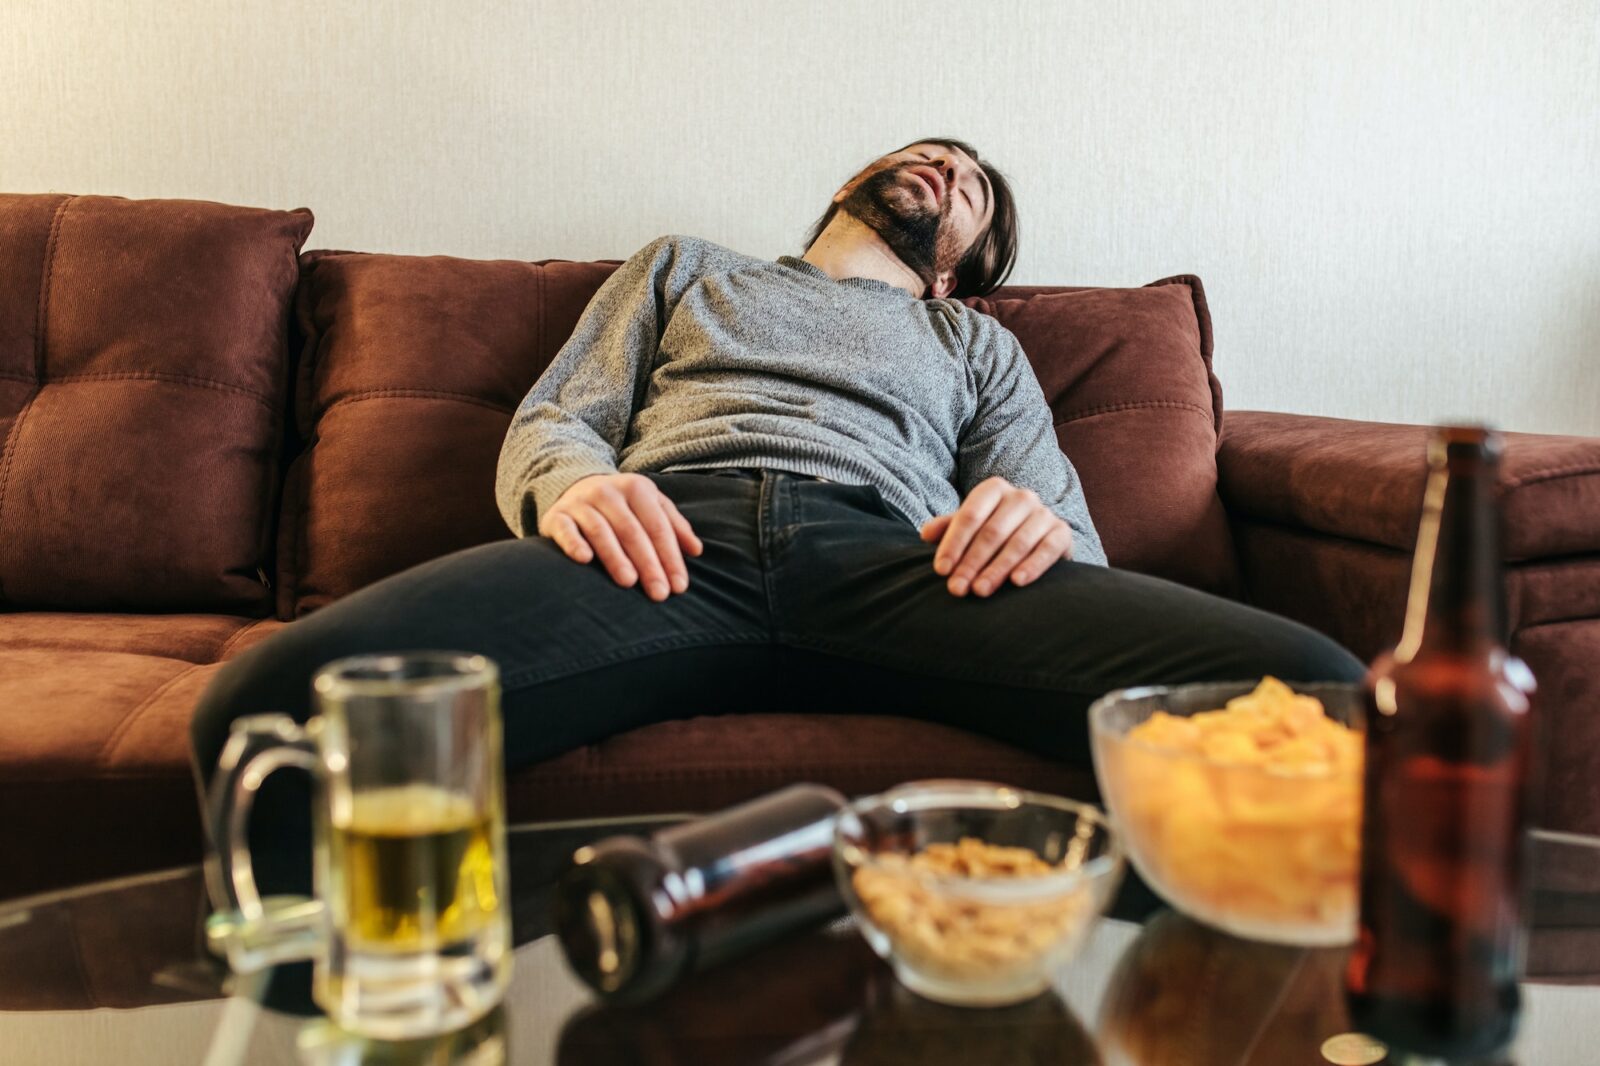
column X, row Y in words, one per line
column 848, row 248
column 1456, row 604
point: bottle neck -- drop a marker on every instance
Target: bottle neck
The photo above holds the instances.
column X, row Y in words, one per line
column 1456, row 604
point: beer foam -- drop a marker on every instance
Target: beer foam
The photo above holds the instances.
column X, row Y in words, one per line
column 406, row 810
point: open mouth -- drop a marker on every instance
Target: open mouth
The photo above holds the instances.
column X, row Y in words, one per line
column 929, row 179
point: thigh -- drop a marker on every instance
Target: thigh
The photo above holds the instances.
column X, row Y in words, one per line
column 1024, row 663
column 541, row 617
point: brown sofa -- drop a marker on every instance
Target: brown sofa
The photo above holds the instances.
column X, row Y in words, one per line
column 208, row 434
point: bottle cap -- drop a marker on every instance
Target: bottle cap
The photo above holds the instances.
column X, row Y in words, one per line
column 604, row 919
column 1463, row 443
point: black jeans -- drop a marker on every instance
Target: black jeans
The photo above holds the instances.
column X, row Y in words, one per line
column 810, row 596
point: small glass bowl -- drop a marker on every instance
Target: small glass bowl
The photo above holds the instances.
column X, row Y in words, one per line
column 1263, row 852
column 974, row 940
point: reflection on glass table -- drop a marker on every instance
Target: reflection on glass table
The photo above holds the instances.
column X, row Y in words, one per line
column 117, row 972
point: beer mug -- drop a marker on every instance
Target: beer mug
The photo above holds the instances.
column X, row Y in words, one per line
column 409, row 929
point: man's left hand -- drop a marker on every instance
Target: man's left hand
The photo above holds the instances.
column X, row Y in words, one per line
column 999, row 531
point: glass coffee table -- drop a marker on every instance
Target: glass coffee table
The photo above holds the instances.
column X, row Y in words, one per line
column 117, row 973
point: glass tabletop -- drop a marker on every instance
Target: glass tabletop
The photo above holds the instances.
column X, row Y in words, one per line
column 117, row 972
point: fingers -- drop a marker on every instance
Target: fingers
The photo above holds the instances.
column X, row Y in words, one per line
column 597, row 530
column 647, row 507
column 1021, row 545
column 633, row 527
column 968, row 519
column 1016, row 507
column 1056, row 545
column 564, row 531
column 680, row 525
column 640, row 549
column 934, row 527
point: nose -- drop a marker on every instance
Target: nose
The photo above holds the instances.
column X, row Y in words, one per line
column 946, row 167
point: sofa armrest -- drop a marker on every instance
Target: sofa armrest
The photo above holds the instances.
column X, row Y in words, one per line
column 1363, row 481
column 1324, row 515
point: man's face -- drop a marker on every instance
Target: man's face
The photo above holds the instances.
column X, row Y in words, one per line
column 928, row 202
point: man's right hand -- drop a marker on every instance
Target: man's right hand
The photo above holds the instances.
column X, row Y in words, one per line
column 630, row 524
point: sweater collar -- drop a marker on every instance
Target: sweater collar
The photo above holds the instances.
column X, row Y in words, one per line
column 868, row 284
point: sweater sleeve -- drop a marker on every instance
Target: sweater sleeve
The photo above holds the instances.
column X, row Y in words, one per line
column 1011, row 436
column 575, row 419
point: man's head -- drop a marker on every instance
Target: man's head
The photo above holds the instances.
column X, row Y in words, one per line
column 946, row 214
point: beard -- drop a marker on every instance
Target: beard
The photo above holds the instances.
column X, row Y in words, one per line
column 915, row 231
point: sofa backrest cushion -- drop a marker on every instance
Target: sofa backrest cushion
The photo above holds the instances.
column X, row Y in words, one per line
column 1137, row 407
column 143, row 385
column 412, row 367
column 409, row 373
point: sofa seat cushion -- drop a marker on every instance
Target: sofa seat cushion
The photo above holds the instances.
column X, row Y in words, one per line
column 94, row 740
column 195, row 638
column 699, row 764
column 95, row 777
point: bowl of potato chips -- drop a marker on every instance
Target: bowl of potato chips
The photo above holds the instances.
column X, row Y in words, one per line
column 1240, row 802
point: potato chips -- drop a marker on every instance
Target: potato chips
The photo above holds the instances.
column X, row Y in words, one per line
column 1247, row 816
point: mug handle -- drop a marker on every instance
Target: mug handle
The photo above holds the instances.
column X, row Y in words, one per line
column 252, row 932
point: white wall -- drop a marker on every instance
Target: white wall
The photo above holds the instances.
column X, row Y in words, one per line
column 1395, row 205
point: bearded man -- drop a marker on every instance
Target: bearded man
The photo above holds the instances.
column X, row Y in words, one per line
column 811, row 484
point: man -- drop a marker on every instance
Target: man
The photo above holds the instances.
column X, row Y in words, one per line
column 819, row 483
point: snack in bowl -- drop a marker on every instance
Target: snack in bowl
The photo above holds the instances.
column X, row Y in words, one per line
column 1241, row 805
column 963, row 938
column 975, row 893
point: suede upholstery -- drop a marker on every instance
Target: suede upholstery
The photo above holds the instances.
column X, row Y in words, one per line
column 1325, row 514
column 143, row 372
column 1364, row 482
column 141, row 499
column 410, row 372
column 1127, row 373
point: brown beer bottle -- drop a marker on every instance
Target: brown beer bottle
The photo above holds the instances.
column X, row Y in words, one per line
column 1449, row 742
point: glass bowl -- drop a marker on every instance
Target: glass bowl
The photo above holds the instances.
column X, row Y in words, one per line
column 975, row 893
column 1260, row 850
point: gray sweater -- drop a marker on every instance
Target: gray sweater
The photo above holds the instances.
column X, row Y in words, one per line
column 692, row 356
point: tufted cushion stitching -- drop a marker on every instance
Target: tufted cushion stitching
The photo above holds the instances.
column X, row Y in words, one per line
column 1520, row 630
column 1133, row 405
column 1533, row 477
column 109, row 749
column 430, row 394
column 222, row 649
column 169, row 378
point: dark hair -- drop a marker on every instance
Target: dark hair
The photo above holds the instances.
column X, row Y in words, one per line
column 988, row 262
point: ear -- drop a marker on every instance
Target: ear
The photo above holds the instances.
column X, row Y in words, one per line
column 943, row 284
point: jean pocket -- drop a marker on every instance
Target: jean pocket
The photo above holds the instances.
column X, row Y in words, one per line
column 872, row 499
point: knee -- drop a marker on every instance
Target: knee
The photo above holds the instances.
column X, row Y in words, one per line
column 265, row 679
column 1296, row 652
